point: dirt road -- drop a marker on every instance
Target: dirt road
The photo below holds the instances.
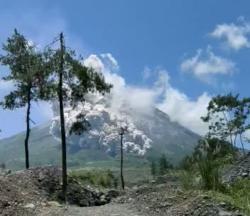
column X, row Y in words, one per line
column 111, row 209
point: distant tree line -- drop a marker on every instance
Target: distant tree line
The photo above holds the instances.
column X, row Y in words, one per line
column 160, row 166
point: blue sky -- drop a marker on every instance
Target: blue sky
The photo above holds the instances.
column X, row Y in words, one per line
column 201, row 45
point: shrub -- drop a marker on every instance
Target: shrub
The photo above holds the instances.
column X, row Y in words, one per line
column 208, row 157
column 236, row 195
column 186, row 163
column 187, row 179
column 209, row 171
column 95, row 177
column 164, row 165
column 2, row 166
column 241, row 196
column 153, row 169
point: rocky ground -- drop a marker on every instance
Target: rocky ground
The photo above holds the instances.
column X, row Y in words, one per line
column 240, row 169
column 111, row 209
column 151, row 200
column 169, row 200
column 37, row 192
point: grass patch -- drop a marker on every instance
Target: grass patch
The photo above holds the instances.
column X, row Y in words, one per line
column 99, row 178
column 188, row 180
column 91, row 174
column 238, row 195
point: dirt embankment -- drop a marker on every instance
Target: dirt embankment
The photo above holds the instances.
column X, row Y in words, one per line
column 28, row 192
column 168, row 199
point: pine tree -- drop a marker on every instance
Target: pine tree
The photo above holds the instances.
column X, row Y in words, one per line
column 71, row 82
column 164, row 164
column 153, row 168
column 228, row 118
column 27, row 72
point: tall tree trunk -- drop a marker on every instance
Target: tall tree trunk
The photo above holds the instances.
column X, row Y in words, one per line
column 62, row 121
column 231, row 139
column 122, row 179
column 242, row 145
column 26, row 141
column 230, row 132
column 235, row 139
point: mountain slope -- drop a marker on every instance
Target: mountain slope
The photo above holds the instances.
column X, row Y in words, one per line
column 149, row 135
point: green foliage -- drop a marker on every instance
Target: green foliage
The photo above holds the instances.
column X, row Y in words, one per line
column 164, row 165
column 2, row 166
column 187, row 163
column 212, row 148
column 78, row 80
column 27, row 71
column 153, row 168
column 187, row 179
column 99, row 178
column 80, row 125
column 207, row 159
column 237, row 195
column 210, row 156
column 160, row 166
column 228, row 118
column 209, row 171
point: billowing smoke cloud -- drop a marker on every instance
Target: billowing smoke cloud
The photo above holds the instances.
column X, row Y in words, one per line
column 140, row 99
column 162, row 94
column 187, row 112
column 127, row 105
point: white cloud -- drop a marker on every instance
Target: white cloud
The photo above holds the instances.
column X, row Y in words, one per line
column 6, row 85
column 161, row 94
column 162, row 82
column 185, row 111
column 110, row 60
column 205, row 65
column 93, row 61
column 235, row 35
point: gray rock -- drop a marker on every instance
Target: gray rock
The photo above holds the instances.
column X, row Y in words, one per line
column 244, row 174
column 29, row 205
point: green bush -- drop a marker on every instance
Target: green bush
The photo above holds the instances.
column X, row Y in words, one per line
column 186, row 163
column 207, row 159
column 237, row 195
column 187, row 179
column 153, row 168
column 209, row 172
column 102, row 178
column 240, row 191
column 164, row 165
